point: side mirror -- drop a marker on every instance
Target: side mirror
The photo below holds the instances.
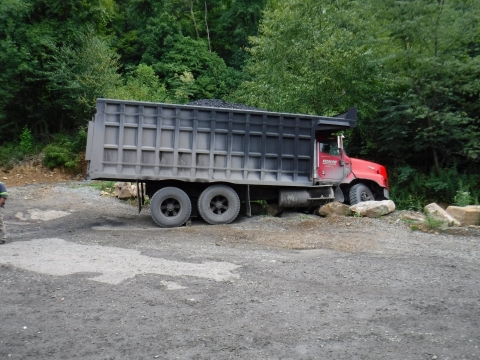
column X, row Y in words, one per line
column 340, row 141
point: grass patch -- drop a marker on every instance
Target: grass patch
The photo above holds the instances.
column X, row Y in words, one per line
column 108, row 186
column 433, row 223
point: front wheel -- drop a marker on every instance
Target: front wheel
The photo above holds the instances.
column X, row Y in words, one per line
column 170, row 207
column 219, row 204
column 360, row 192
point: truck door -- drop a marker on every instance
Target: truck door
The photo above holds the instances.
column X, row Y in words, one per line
column 331, row 166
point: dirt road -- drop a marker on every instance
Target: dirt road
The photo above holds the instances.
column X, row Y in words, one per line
column 85, row 277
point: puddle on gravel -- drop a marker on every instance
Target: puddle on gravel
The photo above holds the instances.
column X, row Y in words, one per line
column 41, row 215
column 59, row 257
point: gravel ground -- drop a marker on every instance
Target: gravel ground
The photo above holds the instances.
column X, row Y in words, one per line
column 86, row 277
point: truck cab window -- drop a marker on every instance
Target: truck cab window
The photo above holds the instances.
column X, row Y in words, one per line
column 329, row 146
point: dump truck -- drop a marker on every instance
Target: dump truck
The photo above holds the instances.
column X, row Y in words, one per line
column 209, row 161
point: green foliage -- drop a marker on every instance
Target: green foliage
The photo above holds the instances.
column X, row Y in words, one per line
column 414, row 227
column 433, row 223
column 64, row 150
column 430, row 115
column 26, row 141
column 462, row 198
column 413, row 190
column 140, row 85
column 236, row 22
column 57, row 155
column 192, row 71
column 58, row 56
column 10, row 154
column 184, row 87
column 102, row 185
column 78, row 75
column 356, row 214
column 313, row 57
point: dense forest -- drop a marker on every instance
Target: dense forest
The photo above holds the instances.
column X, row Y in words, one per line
column 411, row 67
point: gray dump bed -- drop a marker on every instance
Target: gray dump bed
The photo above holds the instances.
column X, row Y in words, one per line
column 130, row 140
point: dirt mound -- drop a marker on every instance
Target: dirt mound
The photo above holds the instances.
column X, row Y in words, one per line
column 33, row 172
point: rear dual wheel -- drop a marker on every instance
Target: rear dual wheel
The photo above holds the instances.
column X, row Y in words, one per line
column 170, row 207
column 219, row 204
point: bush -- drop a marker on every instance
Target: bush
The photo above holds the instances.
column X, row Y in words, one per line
column 64, row 150
column 10, row 153
column 57, row 155
column 412, row 189
column 462, row 198
column 26, row 141
column 433, row 223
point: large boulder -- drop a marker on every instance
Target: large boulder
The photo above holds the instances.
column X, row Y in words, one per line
column 466, row 215
column 373, row 209
column 125, row 190
column 438, row 213
column 333, row 209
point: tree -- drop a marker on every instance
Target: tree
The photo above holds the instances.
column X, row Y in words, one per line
column 182, row 55
column 141, row 85
column 313, row 57
column 78, row 75
column 41, row 46
column 431, row 116
column 232, row 25
column 15, row 61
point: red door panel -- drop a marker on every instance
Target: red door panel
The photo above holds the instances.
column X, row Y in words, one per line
column 330, row 165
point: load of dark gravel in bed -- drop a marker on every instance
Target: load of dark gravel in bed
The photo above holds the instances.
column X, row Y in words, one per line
column 222, row 104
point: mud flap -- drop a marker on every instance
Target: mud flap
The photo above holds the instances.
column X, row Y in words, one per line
column 339, row 195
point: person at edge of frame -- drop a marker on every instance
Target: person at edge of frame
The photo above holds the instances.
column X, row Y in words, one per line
column 3, row 198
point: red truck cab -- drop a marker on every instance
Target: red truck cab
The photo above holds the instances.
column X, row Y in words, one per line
column 359, row 180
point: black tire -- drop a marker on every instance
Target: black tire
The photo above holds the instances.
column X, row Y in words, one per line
column 360, row 192
column 219, row 204
column 170, row 207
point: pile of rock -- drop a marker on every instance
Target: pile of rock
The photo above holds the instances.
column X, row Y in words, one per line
column 465, row 216
column 371, row 209
column 455, row 215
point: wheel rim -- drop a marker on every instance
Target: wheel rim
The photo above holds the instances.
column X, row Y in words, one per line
column 219, row 205
column 170, row 208
column 364, row 196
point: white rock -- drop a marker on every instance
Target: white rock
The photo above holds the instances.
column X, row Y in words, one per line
column 466, row 215
column 125, row 190
column 333, row 209
column 435, row 211
column 373, row 208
